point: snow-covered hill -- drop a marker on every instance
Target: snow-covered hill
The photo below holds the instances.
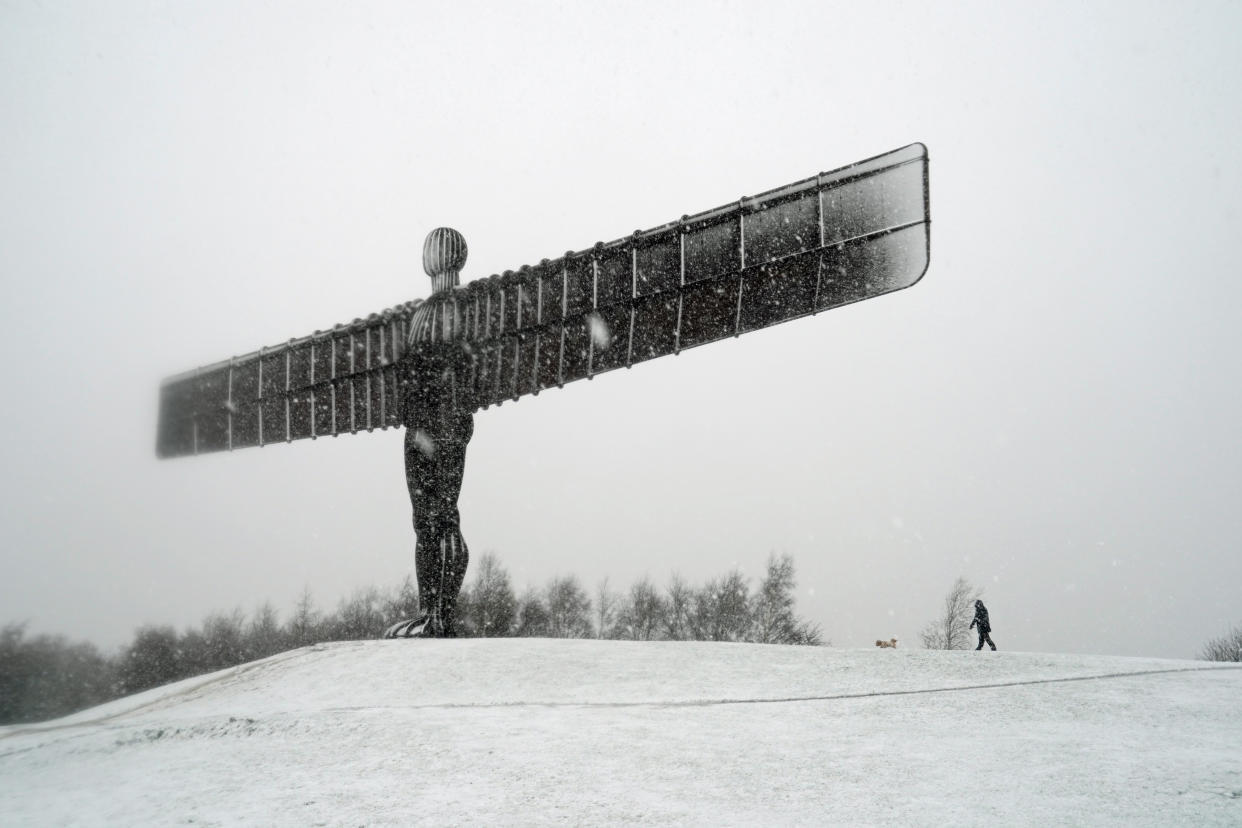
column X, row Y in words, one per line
column 530, row 731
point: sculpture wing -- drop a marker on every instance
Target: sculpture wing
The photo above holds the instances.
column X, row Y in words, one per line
column 836, row 238
column 840, row 237
column 339, row 381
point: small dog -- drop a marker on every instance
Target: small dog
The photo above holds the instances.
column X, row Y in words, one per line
column 891, row 643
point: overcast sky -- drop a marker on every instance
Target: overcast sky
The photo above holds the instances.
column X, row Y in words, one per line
column 1052, row 412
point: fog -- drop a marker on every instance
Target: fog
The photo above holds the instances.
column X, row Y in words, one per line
column 1052, row 412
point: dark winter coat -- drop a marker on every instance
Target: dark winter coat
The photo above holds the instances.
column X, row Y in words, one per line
column 981, row 618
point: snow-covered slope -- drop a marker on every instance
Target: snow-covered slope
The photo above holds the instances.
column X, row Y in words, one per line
column 531, row 731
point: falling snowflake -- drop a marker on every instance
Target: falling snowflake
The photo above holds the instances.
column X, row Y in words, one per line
column 601, row 334
column 424, row 443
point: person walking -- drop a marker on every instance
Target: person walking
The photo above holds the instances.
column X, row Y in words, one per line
column 985, row 627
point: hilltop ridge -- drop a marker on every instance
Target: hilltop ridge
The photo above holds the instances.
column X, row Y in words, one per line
column 537, row 731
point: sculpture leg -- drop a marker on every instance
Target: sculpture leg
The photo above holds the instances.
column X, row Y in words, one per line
column 434, row 465
column 420, row 480
column 454, row 555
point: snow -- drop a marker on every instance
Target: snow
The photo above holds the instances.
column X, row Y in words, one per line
column 532, row 731
column 601, row 334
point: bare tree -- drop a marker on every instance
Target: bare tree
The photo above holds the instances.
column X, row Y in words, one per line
column 950, row 630
column 48, row 676
column 263, row 636
column 605, row 609
column 721, row 609
column 772, row 614
column 152, row 659
column 773, row 620
column 532, row 615
column 224, row 643
column 361, row 616
column 679, row 598
column 303, row 625
column 493, row 606
column 641, row 616
column 569, row 609
column 1226, row 648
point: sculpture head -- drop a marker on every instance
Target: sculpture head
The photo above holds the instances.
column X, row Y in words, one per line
column 444, row 255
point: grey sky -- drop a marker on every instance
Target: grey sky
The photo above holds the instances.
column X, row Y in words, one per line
column 1052, row 412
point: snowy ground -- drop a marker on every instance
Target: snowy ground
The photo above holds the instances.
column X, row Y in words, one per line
column 535, row 731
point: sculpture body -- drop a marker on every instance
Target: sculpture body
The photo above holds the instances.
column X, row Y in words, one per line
column 827, row 241
column 438, row 428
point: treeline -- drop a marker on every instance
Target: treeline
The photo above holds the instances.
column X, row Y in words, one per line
column 44, row 677
column 48, row 676
column 1227, row 647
